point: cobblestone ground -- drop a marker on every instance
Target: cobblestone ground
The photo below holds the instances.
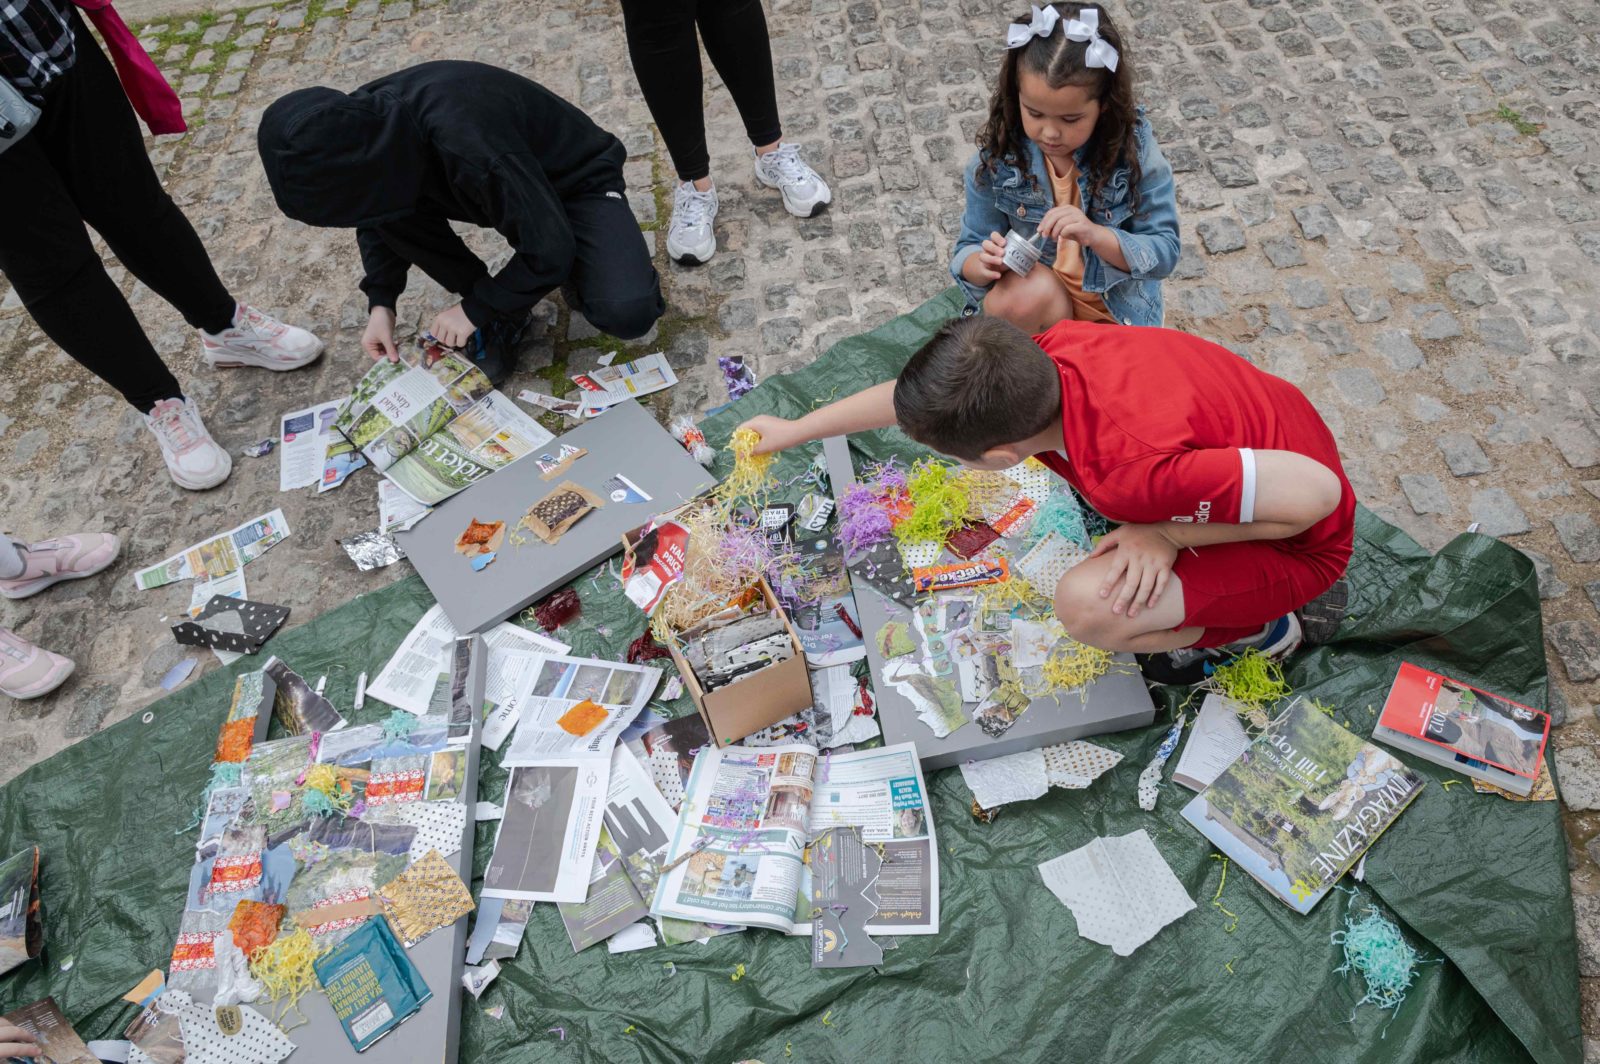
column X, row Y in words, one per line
column 1392, row 205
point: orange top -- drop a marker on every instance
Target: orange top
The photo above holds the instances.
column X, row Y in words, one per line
column 1086, row 306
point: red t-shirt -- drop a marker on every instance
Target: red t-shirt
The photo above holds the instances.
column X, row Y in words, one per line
column 1160, row 425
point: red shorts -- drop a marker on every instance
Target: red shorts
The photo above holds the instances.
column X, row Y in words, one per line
column 1233, row 589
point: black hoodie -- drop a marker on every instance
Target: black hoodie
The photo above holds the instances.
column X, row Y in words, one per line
column 461, row 141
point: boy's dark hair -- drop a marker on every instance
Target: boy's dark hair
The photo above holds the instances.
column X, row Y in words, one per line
column 1059, row 61
column 981, row 382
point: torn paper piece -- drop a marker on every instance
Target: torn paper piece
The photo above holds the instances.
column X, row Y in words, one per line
column 489, row 811
column 231, row 1034
column 641, row 935
column 480, row 538
column 894, row 640
column 844, row 877
column 372, row 550
column 477, row 977
column 1032, row 641
column 1000, row 710
column 440, row 825
column 936, row 701
column 999, row 781
column 219, row 555
column 1049, row 561
column 621, row 489
column 922, row 553
column 398, row 511
column 178, row 673
column 1119, row 888
column 552, row 465
column 1077, row 764
column 1150, row 778
column 551, row 516
column 1215, row 742
column 1544, row 788
column 570, row 407
column 1032, row 478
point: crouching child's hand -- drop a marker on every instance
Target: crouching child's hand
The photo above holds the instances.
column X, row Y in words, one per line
column 1142, row 558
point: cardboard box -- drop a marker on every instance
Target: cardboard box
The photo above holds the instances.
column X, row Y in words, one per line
column 758, row 700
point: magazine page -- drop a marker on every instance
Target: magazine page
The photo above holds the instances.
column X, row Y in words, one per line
column 606, row 386
column 411, row 678
column 737, row 853
column 397, row 405
column 545, row 845
column 219, row 555
column 303, row 438
column 882, row 792
column 489, row 435
column 577, row 707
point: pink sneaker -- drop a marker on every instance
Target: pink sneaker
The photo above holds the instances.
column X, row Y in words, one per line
column 63, row 558
column 27, row 671
column 257, row 339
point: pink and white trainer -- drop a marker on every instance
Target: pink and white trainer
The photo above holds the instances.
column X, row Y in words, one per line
column 260, row 340
column 192, row 456
column 63, row 558
column 27, row 671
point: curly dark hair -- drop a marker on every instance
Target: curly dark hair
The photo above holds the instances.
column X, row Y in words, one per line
column 1060, row 62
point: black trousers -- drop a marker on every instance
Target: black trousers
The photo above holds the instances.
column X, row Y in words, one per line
column 666, row 60
column 84, row 162
column 613, row 282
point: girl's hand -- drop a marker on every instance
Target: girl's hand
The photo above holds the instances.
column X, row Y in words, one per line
column 15, row 1042
column 987, row 265
column 776, row 433
column 378, row 339
column 1143, row 561
column 452, row 327
column 1066, row 222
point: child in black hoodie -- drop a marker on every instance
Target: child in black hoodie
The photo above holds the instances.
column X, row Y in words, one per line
column 400, row 158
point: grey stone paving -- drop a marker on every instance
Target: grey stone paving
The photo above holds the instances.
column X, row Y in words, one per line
column 1392, row 205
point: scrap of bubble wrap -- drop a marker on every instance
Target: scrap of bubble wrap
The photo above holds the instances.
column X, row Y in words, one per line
column 1119, row 888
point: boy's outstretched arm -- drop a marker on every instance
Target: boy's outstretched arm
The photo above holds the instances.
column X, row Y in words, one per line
column 870, row 408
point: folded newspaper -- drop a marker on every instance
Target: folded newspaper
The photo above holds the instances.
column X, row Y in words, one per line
column 433, row 424
column 738, row 855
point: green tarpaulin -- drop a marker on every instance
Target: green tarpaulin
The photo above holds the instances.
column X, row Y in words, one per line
column 1479, row 883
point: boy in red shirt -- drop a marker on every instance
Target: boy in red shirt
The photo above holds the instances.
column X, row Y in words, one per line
column 1232, row 506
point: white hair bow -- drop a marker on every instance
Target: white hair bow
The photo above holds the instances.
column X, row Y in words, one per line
column 1042, row 24
column 1086, row 27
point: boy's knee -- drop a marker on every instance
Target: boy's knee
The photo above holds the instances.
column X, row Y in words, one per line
column 625, row 319
column 1082, row 612
column 1007, row 301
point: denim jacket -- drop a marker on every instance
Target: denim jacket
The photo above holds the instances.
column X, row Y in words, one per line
column 1003, row 199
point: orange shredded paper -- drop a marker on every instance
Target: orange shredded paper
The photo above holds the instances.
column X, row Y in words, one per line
column 255, row 925
column 233, row 742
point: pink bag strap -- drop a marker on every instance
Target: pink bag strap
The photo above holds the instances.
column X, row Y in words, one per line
column 147, row 90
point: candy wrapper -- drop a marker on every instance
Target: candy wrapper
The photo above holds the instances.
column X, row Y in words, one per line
column 551, row 516
column 372, row 550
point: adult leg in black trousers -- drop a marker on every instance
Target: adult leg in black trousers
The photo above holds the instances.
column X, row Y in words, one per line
column 666, row 59
column 85, row 162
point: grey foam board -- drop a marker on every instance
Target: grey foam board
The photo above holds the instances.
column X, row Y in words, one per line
column 625, row 439
column 1118, row 701
column 433, row 1034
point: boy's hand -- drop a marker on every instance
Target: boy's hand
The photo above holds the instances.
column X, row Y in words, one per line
column 776, row 433
column 1067, row 222
column 987, row 265
column 15, row 1042
column 1143, row 561
column 452, row 327
column 378, row 340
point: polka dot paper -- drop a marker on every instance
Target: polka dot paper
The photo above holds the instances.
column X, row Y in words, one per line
column 439, row 825
column 236, row 1034
column 1077, row 764
column 1048, row 562
column 1120, row 890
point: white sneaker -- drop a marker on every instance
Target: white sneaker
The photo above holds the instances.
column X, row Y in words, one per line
column 804, row 191
column 192, row 456
column 27, row 671
column 690, row 239
column 259, row 340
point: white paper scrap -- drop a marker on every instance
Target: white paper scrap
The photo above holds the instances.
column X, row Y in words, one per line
column 641, row 935
column 1215, row 741
column 477, row 977
column 114, row 1051
column 998, row 781
column 1119, row 888
column 489, row 811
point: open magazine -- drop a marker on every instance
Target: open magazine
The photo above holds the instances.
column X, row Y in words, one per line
column 738, row 855
column 433, row 423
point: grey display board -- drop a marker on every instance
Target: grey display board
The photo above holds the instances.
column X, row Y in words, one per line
column 625, row 439
column 433, row 1035
column 1115, row 702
